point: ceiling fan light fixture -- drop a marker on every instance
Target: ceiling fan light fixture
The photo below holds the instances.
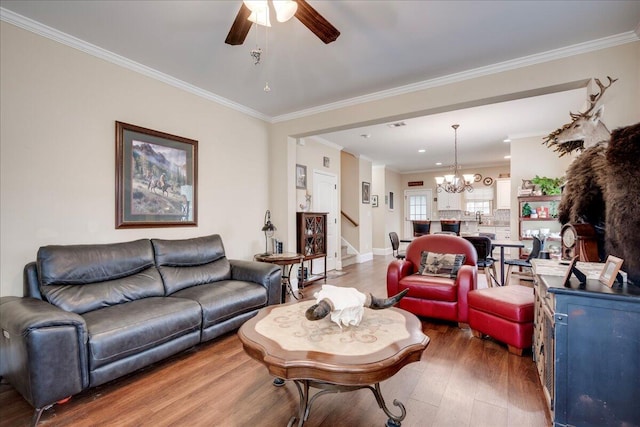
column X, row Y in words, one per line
column 256, row 5
column 285, row 9
column 260, row 18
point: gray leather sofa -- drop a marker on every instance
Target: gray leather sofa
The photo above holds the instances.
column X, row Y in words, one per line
column 93, row 313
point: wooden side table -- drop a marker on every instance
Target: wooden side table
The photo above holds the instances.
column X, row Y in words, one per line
column 286, row 261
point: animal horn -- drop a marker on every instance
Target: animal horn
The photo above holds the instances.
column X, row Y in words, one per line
column 380, row 303
column 318, row 311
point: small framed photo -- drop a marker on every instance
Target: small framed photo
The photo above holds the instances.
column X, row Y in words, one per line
column 567, row 275
column 610, row 270
column 374, row 200
column 366, row 192
column 326, row 162
column 301, row 177
column 391, row 205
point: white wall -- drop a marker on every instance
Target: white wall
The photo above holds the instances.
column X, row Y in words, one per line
column 378, row 188
column 57, row 143
column 365, row 230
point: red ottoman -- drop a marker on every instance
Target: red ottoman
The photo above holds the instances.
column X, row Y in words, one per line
column 504, row 313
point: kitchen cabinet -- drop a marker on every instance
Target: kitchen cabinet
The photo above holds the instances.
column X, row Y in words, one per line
column 503, row 193
column 502, row 233
column 449, row 201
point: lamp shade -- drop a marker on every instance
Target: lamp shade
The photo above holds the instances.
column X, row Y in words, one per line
column 285, row 9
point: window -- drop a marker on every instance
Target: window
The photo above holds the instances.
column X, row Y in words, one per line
column 483, row 206
column 418, row 207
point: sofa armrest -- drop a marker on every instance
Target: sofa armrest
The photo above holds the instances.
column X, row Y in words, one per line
column 263, row 273
column 467, row 281
column 396, row 270
column 43, row 350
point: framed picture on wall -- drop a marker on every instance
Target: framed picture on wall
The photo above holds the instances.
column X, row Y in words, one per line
column 156, row 178
column 374, row 201
column 301, row 177
column 366, row 191
column 391, row 206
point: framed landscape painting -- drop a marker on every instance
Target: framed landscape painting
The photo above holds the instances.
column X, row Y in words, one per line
column 156, row 178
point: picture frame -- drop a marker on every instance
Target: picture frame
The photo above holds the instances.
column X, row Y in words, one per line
column 301, row 177
column 326, row 162
column 374, row 201
column 566, row 280
column 366, row 192
column 391, row 204
column 610, row 271
column 156, row 178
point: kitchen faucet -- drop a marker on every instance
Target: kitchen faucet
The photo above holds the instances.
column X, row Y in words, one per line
column 479, row 217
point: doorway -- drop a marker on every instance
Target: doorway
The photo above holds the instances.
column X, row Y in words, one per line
column 417, row 206
column 325, row 199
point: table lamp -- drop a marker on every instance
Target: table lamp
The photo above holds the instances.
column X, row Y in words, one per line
column 268, row 229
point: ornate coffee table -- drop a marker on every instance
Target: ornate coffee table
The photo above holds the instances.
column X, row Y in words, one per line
column 321, row 355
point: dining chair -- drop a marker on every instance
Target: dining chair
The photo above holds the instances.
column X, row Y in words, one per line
column 421, row 228
column 483, row 246
column 524, row 263
column 395, row 245
column 450, row 225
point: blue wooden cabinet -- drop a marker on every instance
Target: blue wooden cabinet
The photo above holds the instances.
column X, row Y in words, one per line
column 587, row 351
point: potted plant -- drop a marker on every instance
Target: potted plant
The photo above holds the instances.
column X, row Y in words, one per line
column 548, row 186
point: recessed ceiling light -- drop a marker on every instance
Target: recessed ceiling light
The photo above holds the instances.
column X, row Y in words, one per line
column 507, row 157
column 396, row 124
column 506, row 140
column 439, row 164
column 422, row 150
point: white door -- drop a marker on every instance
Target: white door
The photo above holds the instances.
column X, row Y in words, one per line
column 325, row 199
column 417, row 206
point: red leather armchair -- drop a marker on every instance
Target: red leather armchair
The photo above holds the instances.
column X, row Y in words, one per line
column 430, row 296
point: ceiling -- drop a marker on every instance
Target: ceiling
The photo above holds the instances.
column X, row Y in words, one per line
column 385, row 47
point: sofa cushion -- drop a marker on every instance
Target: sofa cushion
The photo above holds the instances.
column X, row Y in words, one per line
column 225, row 299
column 81, row 264
column 430, row 287
column 92, row 296
column 81, row 278
column 125, row 330
column 190, row 262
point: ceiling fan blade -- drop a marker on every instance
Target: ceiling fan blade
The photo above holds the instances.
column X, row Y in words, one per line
column 316, row 23
column 240, row 28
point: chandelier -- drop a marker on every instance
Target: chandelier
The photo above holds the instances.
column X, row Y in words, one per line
column 455, row 183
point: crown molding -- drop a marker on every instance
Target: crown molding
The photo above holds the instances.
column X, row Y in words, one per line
column 326, row 142
column 83, row 46
column 525, row 61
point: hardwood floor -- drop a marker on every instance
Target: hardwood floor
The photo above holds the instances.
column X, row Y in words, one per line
column 460, row 381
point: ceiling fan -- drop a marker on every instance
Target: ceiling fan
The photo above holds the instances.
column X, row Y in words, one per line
column 305, row 14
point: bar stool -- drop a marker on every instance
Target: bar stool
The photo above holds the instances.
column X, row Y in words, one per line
column 421, row 228
column 450, row 225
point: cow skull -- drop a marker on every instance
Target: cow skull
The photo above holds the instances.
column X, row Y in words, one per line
column 346, row 305
column 585, row 130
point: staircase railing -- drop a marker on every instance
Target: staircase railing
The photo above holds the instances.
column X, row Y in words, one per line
column 351, row 220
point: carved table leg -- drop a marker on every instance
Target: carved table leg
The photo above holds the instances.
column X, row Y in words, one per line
column 305, row 403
